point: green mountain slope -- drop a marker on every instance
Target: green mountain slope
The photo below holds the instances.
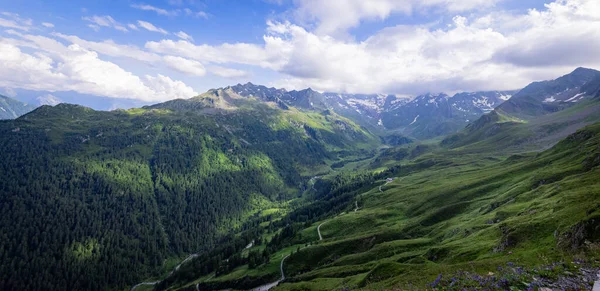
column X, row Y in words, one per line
column 509, row 222
column 11, row 108
column 92, row 200
column 546, row 97
column 239, row 186
column 537, row 117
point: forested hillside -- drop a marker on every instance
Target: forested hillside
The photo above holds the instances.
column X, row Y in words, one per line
column 234, row 187
column 449, row 220
column 93, row 200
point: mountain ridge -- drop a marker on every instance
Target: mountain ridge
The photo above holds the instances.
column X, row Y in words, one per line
column 11, row 108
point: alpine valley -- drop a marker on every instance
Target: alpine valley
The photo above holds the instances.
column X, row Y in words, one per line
column 254, row 188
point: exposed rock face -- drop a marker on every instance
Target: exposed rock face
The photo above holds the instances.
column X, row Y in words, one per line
column 583, row 234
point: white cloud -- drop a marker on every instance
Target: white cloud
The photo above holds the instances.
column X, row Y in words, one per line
column 184, row 36
column 132, row 26
column 335, row 17
column 165, row 88
column 14, row 24
column 48, row 24
column 200, row 14
column 150, row 27
column 475, row 51
column 567, row 33
column 158, row 11
column 59, row 68
column 185, row 66
column 94, row 27
column 104, row 21
column 110, row 48
column 492, row 51
column 271, row 55
column 227, row 72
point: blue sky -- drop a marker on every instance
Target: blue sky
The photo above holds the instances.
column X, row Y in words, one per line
column 109, row 54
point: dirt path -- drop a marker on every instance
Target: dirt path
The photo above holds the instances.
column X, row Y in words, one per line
column 387, row 182
column 175, row 269
column 356, row 204
column 319, row 231
column 144, row 283
column 267, row 287
column 184, row 261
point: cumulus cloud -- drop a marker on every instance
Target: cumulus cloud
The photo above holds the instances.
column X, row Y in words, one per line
column 227, row 72
column 104, row 21
column 271, row 55
column 48, row 24
column 473, row 51
column 185, row 66
column 470, row 53
column 60, row 68
column 150, row 27
column 110, row 48
column 335, row 17
column 567, row 33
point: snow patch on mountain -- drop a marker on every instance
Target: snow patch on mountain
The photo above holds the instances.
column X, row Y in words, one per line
column 504, row 97
column 366, row 103
column 575, row 98
column 48, row 99
column 415, row 120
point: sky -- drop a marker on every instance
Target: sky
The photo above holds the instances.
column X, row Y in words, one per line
column 110, row 54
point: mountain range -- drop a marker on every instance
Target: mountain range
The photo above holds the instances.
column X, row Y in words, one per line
column 247, row 187
column 422, row 117
column 11, row 108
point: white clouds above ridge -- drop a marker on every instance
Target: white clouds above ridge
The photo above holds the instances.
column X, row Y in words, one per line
column 487, row 50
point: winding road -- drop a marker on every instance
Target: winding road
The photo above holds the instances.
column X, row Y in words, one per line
column 319, row 231
column 145, row 283
column 267, row 287
column 384, row 185
column 175, row 269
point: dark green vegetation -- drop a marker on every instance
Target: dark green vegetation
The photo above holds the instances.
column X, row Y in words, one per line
column 11, row 108
column 461, row 212
column 447, row 213
column 244, row 176
column 92, row 199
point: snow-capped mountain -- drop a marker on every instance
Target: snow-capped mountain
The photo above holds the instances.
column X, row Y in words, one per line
column 307, row 98
column 431, row 115
column 48, row 99
column 424, row 116
column 480, row 102
column 545, row 97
